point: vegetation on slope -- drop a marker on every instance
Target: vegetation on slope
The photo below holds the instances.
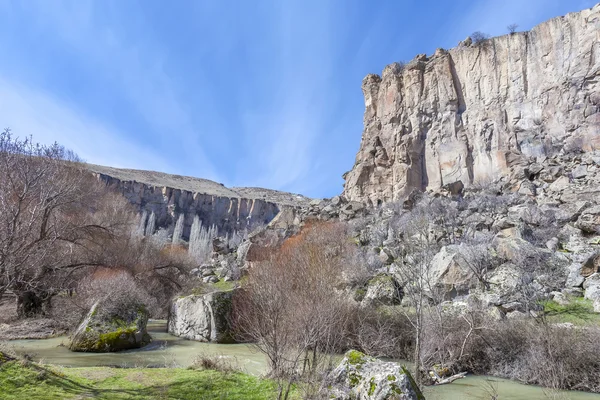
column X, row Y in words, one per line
column 22, row 380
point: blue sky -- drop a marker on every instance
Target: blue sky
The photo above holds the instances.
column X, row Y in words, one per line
column 246, row 93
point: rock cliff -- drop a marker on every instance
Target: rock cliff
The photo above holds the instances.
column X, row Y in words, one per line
column 475, row 112
column 163, row 199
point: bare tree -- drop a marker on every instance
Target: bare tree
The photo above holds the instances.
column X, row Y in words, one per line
column 419, row 248
column 512, row 28
column 480, row 38
column 49, row 220
column 290, row 307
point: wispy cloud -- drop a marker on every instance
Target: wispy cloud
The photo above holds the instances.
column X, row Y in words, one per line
column 30, row 112
column 137, row 65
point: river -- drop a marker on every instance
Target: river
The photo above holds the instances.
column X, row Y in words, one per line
column 169, row 350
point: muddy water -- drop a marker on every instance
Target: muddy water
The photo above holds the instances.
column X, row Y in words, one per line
column 168, row 350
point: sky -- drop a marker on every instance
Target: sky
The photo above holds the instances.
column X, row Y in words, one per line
column 246, row 93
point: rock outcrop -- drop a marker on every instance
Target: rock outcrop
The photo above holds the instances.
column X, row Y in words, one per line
column 202, row 317
column 479, row 111
column 102, row 332
column 165, row 200
column 366, row 378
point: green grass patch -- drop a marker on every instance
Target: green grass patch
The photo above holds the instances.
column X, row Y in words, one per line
column 578, row 311
column 21, row 380
column 223, row 286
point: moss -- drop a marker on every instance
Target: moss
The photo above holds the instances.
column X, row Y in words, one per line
column 372, row 386
column 413, row 384
column 578, row 311
column 354, row 379
column 355, row 357
column 391, row 378
column 395, row 388
column 34, row 381
column 360, row 294
column 381, row 279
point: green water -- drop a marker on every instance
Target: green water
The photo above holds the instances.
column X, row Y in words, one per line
column 168, row 350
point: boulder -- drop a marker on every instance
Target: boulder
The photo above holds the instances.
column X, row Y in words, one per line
column 451, row 272
column 592, row 287
column 589, row 220
column 383, row 290
column 361, row 377
column 102, row 332
column 386, row 256
column 504, row 283
column 204, row 318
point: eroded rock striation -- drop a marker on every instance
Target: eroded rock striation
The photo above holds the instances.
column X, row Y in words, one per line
column 202, row 317
column 163, row 199
column 477, row 112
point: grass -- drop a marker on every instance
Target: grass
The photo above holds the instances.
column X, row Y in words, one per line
column 23, row 380
column 578, row 311
column 206, row 288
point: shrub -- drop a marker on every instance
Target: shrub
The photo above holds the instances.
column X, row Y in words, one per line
column 480, row 38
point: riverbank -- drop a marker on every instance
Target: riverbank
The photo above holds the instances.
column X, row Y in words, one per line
column 25, row 380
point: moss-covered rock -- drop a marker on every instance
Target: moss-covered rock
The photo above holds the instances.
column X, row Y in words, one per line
column 362, row 377
column 102, row 332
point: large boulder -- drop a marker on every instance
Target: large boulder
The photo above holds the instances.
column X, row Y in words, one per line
column 362, row 377
column 589, row 220
column 106, row 331
column 383, row 289
column 202, row 317
column 450, row 272
column 592, row 287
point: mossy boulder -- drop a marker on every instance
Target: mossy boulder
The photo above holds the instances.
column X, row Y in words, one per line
column 202, row 317
column 382, row 289
column 103, row 332
column 362, row 377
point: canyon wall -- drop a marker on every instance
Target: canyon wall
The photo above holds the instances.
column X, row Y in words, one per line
column 162, row 199
column 475, row 112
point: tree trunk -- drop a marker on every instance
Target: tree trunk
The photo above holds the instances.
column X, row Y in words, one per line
column 31, row 304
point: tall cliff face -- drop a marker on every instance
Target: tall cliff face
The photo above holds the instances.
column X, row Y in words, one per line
column 163, row 199
column 475, row 112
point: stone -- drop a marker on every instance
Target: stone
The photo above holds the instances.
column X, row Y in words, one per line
column 454, row 188
column 210, row 279
column 386, row 256
column 360, row 377
column 592, row 287
column 204, row 318
column 560, row 298
column 450, row 272
column 441, row 120
column 383, row 289
column 552, row 244
column 504, row 282
column 560, row 184
column 102, row 332
column 336, row 201
column 590, row 266
column 589, row 220
column 579, row 172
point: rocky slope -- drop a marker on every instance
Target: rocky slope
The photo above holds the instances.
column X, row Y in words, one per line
column 477, row 112
column 167, row 197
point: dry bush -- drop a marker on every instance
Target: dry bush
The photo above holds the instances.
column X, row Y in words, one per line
column 215, row 362
column 480, row 39
column 381, row 334
column 292, row 306
column 117, row 290
column 558, row 357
